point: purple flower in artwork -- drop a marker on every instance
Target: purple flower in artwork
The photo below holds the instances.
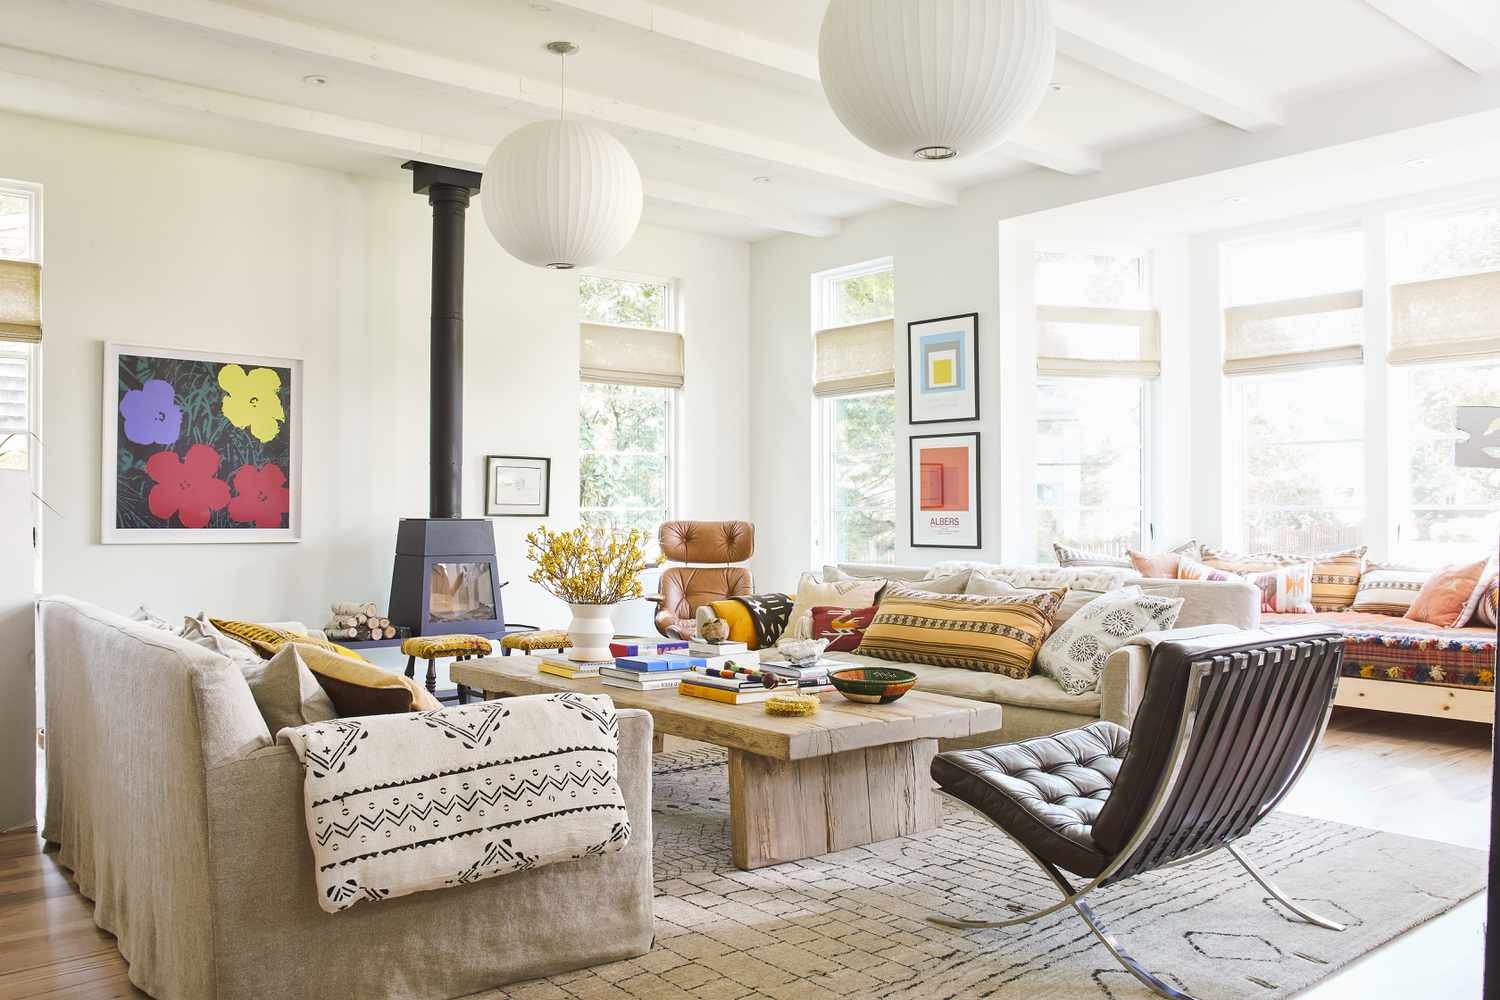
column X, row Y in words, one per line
column 151, row 413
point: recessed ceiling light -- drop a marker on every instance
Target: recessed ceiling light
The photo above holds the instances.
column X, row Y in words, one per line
column 1417, row 162
column 1236, row 199
column 315, row 79
column 762, row 179
column 541, row 7
column 1055, row 87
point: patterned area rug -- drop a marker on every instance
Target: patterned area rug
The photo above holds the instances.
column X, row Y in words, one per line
column 851, row 924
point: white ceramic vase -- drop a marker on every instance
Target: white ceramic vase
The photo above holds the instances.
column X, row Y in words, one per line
column 590, row 631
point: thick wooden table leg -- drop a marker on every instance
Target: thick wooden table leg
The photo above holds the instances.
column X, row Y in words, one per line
column 781, row 810
column 658, row 742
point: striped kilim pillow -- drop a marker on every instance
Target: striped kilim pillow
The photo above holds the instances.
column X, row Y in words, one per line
column 1389, row 590
column 1487, row 611
column 998, row 634
column 1335, row 574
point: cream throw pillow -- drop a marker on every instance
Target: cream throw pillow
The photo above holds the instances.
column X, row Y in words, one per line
column 1074, row 655
column 813, row 592
column 286, row 692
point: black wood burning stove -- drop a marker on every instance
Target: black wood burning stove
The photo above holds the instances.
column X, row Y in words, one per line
column 446, row 578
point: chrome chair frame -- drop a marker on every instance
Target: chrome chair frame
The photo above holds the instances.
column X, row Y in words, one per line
column 1074, row 896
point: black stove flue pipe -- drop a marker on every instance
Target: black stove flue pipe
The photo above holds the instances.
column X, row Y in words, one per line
column 448, row 191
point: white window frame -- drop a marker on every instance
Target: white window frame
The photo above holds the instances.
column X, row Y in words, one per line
column 823, row 302
column 675, row 321
column 33, row 192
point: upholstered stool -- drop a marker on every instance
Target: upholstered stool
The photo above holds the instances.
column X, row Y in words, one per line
column 435, row 647
column 532, row 642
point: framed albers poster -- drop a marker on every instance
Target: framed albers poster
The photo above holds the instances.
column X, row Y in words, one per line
column 945, row 491
column 943, row 369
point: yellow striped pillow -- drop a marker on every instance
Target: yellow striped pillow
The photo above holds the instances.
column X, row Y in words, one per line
column 1335, row 577
column 267, row 641
column 998, row 634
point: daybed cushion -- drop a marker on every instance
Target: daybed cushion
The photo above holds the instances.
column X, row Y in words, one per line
column 1379, row 647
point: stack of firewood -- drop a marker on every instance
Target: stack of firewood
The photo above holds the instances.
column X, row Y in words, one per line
column 358, row 621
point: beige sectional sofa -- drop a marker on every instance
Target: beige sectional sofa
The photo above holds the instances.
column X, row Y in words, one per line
column 183, row 821
column 1037, row 706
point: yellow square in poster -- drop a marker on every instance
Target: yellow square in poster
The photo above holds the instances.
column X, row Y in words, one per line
column 941, row 372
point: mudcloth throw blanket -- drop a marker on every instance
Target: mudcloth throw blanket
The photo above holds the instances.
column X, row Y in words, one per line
column 770, row 614
column 398, row 804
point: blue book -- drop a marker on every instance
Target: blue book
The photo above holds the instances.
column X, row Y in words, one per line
column 648, row 664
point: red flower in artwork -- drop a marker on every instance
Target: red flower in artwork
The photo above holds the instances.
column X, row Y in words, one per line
column 186, row 486
column 260, row 496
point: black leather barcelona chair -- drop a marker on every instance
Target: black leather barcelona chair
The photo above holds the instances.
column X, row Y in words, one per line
column 1225, row 727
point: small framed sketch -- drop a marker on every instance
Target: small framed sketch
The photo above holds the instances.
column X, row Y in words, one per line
column 943, row 369
column 200, row 446
column 516, row 487
column 945, row 491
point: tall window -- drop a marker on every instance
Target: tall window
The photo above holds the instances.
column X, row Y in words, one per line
column 1098, row 352
column 1445, row 352
column 854, row 380
column 20, row 317
column 631, row 369
column 1293, row 340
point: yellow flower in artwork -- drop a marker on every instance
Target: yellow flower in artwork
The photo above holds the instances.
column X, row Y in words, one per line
column 253, row 399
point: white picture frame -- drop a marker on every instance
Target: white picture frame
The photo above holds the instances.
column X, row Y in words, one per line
column 945, row 511
column 128, row 525
column 943, row 369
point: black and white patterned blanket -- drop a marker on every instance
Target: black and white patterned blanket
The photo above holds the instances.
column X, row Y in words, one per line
column 397, row 804
column 770, row 614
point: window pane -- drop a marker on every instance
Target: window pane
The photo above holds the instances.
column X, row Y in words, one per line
column 862, row 478
column 861, row 298
column 1294, row 267
column 1450, row 513
column 1446, row 243
column 624, row 438
column 1088, row 463
column 624, row 303
column 1078, row 278
column 15, row 442
column 1302, row 459
column 15, row 224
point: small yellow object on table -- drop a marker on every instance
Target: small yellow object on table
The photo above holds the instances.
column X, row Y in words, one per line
column 792, row 704
column 435, row 647
column 531, row 642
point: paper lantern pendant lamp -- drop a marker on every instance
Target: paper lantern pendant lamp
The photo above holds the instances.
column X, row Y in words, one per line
column 561, row 194
column 936, row 78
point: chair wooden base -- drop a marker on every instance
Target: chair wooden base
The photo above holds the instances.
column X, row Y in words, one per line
column 1074, row 897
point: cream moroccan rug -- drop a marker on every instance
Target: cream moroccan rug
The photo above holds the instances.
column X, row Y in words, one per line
column 851, row 924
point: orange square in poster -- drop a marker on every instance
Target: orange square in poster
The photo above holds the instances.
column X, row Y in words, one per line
column 945, row 479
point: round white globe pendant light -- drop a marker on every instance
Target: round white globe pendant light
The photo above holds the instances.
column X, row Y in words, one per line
column 561, row 194
column 936, row 78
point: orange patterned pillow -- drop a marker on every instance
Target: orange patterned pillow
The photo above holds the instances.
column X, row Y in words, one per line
column 1449, row 595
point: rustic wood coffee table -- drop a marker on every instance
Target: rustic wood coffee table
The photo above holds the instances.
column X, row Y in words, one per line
column 798, row 787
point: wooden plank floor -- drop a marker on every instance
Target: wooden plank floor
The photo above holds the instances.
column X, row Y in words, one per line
column 1422, row 777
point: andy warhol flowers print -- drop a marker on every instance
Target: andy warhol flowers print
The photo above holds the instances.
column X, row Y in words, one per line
column 200, row 442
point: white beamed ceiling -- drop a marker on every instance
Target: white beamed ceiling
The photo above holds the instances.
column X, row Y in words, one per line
column 707, row 94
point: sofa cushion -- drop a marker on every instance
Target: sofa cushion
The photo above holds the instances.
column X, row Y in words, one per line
column 1487, row 610
column 286, row 692
column 1449, row 595
column 1335, row 575
column 812, row 592
column 1234, row 602
column 1100, row 578
column 1074, row 655
column 358, row 687
column 1389, row 590
column 1036, row 691
column 999, row 634
column 842, row 627
column 1073, row 556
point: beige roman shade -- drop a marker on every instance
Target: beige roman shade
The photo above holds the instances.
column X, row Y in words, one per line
column 856, row 358
column 1294, row 333
column 1446, row 319
column 1098, row 342
column 20, row 301
column 626, row 355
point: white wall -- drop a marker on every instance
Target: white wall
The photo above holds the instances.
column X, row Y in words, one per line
column 178, row 246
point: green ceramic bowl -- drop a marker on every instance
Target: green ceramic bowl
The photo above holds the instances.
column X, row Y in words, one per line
column 873, row 685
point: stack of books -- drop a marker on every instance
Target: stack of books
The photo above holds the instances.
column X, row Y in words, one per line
column 811, row 678
column 646, row 647
column 737, row 680
column 651, row 672
column 732, row 687
column 724, row 655
column 559, row 666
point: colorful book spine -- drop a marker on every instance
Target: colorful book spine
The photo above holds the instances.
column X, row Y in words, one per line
column 557, row 670
column 727, row 697
column 647, row 648
column 653, row 684
column 650, row 664
column 638, row 675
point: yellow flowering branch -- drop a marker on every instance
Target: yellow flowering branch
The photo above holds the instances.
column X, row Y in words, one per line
column 585, row 566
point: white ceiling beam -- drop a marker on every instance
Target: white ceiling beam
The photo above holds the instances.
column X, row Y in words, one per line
column 1137, row 59
column 1467, row 31
column 1035, row 146
column 769, row 216
column 536, row 97
column 370, row 137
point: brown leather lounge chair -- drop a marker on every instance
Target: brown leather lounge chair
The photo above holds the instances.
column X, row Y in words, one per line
column 1226, row 725
column 684, row 589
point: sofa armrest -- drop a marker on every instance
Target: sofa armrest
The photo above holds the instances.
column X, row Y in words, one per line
column 272, row 939
column 1123, row 681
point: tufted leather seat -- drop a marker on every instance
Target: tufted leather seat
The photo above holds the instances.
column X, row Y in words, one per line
column 1046, row 792
column 684, row 589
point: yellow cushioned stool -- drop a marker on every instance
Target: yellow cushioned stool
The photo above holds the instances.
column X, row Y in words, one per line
column 435, row 647
column 531, row 642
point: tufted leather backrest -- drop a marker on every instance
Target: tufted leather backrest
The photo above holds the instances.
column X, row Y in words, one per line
column 707, row 541
column 1258, row 702
column 685, row 589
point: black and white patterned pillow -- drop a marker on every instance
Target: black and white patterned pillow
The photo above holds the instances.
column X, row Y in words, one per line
column 1074, row 655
